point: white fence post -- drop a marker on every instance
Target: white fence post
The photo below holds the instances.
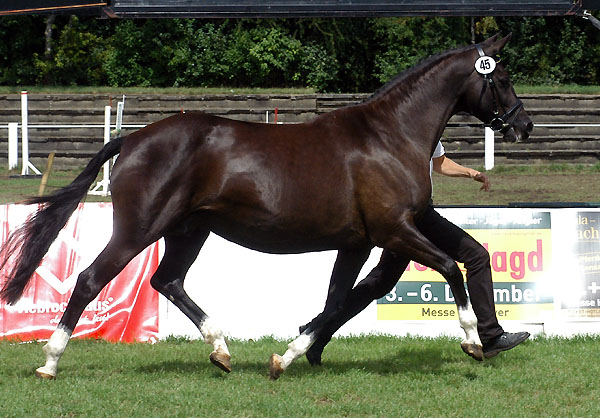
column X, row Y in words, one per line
column 101, row 187
column 13, row 145
column 25, row 138
column 489, row 148
column 24, row 135
column 119, row 122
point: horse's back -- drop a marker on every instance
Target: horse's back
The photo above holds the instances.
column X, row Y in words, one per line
column 297, row 187
column 250, row 182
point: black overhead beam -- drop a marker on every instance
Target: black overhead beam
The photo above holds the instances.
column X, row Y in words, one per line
column 343, row 8
column 299, row 8
column 15, row 7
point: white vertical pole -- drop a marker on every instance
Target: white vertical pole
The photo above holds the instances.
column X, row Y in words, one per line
column 101, row 187
column 119, row 122
column 13, row 145
column 24, row 135
column 489, row 148
column 106, row 140
column 25, row 139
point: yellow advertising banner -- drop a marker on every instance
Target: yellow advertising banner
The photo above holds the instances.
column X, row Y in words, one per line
column 520, row 248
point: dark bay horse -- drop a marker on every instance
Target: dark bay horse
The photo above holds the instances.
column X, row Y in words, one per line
column 349, row 180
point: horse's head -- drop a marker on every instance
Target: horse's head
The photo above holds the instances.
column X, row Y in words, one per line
column 489, row 93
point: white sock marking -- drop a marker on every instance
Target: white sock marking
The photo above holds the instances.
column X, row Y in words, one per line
column 213, row 335
column 54, row 349
column 468, row 322
column 297, row 348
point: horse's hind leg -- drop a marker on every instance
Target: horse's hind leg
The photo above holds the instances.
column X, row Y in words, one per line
column 90, row 282
column 180, row 253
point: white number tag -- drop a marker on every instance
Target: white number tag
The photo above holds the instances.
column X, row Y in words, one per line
column 485, row 65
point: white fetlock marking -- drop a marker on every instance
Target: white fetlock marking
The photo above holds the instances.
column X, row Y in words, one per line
column 468, row 322
column 213, row 335
column 54, row 349
column 297, row 348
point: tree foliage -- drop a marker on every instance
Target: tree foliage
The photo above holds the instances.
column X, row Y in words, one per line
column 334, row 55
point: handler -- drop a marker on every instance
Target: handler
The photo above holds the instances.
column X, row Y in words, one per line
column 463, row 248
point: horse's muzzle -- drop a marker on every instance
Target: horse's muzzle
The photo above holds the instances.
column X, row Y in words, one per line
column 519, row 131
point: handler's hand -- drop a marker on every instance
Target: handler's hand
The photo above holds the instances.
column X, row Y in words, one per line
column 482, row 178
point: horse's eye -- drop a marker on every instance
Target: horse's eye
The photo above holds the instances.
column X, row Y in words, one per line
column 504, row 82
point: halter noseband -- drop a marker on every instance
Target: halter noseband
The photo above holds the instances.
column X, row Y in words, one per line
column 507, row 120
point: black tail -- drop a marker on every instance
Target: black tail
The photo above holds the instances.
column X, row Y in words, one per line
column 27, row 245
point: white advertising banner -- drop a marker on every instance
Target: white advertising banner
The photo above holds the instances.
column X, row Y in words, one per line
column 545, row 266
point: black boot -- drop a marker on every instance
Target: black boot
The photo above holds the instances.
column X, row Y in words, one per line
column 503, row 342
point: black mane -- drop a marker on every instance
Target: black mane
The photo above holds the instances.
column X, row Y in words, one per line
column 416, row 70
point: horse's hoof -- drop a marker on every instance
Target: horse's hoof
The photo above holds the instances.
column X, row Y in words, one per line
column 43, row 374
column 314, row 357
column 275, row 366
column 221, row 360
column 314, row 361
column 473, row 350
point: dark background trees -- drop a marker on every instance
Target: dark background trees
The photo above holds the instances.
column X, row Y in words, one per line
column 329, row 55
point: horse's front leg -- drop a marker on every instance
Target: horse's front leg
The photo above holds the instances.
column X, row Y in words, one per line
column 377, row 284
column 296, row 349
column 410, row 242
column 471, row 345
column 345, row 271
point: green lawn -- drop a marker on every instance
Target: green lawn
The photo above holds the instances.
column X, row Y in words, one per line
column 377, row 376
column 537, row 183
column 540, row 183
column 14, row 188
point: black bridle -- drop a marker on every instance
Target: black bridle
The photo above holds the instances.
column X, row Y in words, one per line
column 506, row 121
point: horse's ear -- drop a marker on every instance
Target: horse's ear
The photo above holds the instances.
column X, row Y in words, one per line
column 492, row 39
column 497, row 44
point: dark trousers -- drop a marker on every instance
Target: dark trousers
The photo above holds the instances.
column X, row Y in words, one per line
column 465, row 249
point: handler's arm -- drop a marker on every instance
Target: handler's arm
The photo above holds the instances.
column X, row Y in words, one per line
column 447, row 167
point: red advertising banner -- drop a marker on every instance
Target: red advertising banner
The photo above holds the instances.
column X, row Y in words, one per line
column 125, row 310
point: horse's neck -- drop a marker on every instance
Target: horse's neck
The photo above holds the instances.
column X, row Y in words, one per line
column 422, row 110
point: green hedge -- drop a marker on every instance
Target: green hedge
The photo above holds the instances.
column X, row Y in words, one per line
column 330, row 55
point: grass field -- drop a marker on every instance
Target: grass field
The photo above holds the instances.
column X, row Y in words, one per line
column 373, row 376
column 539, row 183
column 534, row 183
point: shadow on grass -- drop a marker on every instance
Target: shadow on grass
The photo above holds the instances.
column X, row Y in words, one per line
column 402, row 361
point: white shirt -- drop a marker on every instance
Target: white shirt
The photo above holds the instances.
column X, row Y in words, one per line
column 438, row 152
